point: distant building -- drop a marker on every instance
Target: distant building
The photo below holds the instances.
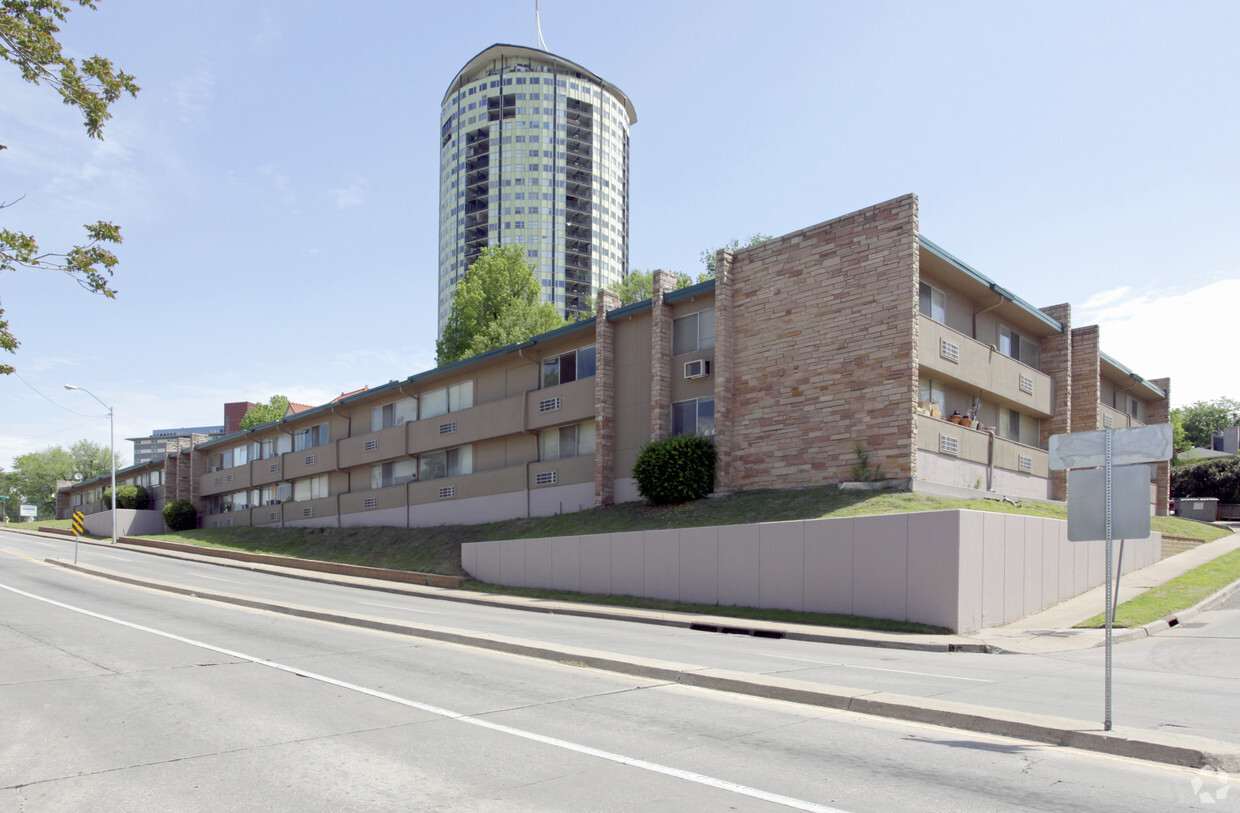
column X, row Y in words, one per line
column 534, row 151
column 233, row 413
column 155, row 446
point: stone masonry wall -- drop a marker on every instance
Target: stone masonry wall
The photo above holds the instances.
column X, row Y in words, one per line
column 825, row 350
column 725, row 448
column 1056, row 362
column 660, row 356
column 1086, row 379
column 605, row 400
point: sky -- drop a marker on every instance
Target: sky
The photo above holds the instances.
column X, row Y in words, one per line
column 276, row 179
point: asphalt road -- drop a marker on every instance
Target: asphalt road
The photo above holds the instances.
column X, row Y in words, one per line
column 1172, row 681
column 123, row 698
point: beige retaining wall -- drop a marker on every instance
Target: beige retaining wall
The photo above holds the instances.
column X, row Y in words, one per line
column 963, row 570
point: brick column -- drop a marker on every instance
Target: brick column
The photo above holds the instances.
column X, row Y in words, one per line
column 1086, row 379
column 1160, row 412
column 725, row 461
column 604, row 400
column 661, row 356
column 1057, row 363
column 198, row 465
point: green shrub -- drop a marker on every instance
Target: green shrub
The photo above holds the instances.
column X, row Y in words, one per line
column 1218, row 477
column 135, row 497
column 675, row 470
column 180, row 515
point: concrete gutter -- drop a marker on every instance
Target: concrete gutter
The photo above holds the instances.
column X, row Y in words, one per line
column 1151, row 746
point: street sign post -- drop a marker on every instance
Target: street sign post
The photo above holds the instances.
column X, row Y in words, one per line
column 1107, row 449
column 79, row 527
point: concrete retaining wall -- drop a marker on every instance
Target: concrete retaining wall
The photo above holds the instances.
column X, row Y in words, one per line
column 963, row 570
column 129, row 522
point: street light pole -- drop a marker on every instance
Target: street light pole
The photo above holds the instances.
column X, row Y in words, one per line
column 111, row 450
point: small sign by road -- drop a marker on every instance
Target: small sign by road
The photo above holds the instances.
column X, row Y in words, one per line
column 1084, row 450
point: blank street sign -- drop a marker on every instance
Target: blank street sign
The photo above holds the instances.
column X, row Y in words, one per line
column 1130, row 503
column 1140, row 444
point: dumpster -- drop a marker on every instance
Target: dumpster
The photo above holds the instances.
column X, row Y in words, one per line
column 1204, row 509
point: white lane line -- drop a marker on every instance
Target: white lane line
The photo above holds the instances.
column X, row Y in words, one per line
column 405, row 609
column 653, row 767
column 216, row 578
column 881, row 669
column 117, row 558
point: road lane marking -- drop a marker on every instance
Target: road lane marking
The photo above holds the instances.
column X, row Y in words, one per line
column 406, row 609
column 216, row 579
column 587, row 750
column 117, row 558
column 881, row 669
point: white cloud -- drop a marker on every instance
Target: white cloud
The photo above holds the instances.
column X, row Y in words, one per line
column 193, row 95
column 350, row 195
column 1187, row 335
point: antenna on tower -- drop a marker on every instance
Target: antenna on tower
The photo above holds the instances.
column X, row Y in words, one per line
column 538, row 27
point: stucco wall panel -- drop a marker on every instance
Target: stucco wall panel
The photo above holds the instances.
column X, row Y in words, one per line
column 829, row 565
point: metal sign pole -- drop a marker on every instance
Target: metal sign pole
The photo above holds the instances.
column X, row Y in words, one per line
column 1110, row 612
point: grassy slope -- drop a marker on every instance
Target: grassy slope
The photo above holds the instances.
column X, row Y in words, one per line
column 437, row 549
column 1176, row 595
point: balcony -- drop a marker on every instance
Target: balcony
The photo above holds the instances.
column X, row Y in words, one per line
column 373, row 447
column 974, row 446
column 1119, row 420
column 224, row 480
column 490, row 420
column 950, row 355
column 561, row 404
column 308, row 462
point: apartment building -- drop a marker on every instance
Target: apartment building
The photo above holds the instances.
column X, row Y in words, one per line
column 857, row 333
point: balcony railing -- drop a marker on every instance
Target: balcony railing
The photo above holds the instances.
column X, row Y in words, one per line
column 950, row 355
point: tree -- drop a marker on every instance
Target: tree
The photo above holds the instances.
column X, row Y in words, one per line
column 260, row 414
column 496, row 304
column 639, row 285
column 1203, row 419
column 708, row 256
column 27, row 40
column 35, row 474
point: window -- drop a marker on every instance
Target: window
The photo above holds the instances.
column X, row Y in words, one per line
column 310, row 437
column 1016, row 346
column 933, row 303
column 241, row 455
column 931, row 392
column 276, row 493
column 393, row 414
column 447, row 399
column 277, row 446
column 694, row 417
column 311, row 488
column 395, row 473
column 560, row 442
column 568, row 366
column 693, row 332
column 1017, row 427
column 448, row 463
column 1135, row 409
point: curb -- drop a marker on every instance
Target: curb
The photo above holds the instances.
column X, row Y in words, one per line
column 1151, row 746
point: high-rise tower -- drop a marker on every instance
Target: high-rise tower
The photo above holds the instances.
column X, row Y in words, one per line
column 534, row 151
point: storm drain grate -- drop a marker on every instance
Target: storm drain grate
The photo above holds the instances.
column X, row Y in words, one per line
column 737, row 631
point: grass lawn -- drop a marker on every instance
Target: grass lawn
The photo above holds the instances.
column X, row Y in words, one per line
column 438, row 549
column 1174, row 596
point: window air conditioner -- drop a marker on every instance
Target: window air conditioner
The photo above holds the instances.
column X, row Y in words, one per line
column 274, row 502
column 697, row 369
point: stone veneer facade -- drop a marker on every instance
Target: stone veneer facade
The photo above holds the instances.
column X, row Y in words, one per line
column 822, row 345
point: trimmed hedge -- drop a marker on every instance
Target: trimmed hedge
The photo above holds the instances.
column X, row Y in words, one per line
column 1218, row 477
column 180, row 515
column 675, row 470
column 135, row 497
